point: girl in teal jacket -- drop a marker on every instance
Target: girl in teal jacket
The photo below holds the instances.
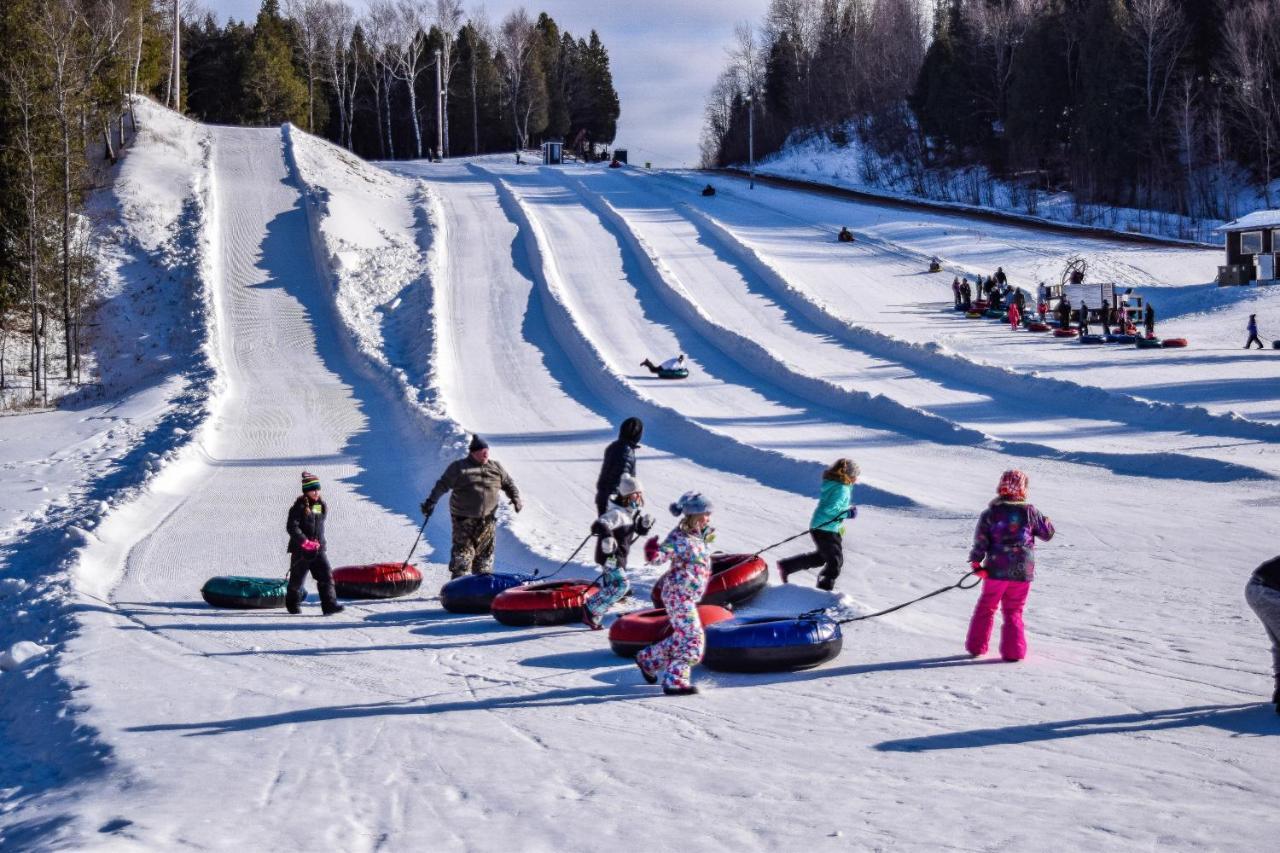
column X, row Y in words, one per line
column 827, row 526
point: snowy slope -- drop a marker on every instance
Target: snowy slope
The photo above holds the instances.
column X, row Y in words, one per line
column 365, row 320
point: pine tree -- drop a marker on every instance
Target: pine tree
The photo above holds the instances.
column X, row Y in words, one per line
column 274, row 91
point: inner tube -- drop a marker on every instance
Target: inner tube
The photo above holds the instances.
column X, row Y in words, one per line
column 734, row 579
column 474, row 593
column 1147, row 343
column 1121, row 339
column 378, row 580
column 632, row 632
column 678, row 373
column 981, row 305
column 1092, row 339
column 973, row 315
column 1174, row 342
column 1036, row 326
column 1065, row 333
column 544, row 603
column 241, row 593
column 995, row 313
column 772, row 643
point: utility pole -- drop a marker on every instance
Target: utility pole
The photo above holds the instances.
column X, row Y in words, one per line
column 439, row 111
column 177, row 56
column 751, row 138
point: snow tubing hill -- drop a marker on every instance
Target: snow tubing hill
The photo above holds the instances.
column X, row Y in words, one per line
column 475, row 593
column 772, row 643
column 1176, row 343
column 678, row 373
column 632, row 632
column 545, row 603
column 1065, row 333
column 734, row 579
column 377, row 580
column 241, row 593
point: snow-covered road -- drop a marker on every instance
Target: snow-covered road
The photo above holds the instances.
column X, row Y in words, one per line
column 1135, row 722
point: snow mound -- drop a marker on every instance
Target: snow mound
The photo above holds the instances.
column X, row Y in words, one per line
column 20, row 654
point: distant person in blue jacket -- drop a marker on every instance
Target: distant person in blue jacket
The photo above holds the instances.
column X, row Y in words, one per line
column 1253, row 333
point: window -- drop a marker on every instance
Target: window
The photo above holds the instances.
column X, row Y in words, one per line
column 1250, row 242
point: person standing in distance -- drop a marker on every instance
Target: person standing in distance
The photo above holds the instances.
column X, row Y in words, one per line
column 619, row 459
column 475, row 481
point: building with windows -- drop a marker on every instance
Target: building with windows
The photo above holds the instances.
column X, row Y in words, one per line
column 1253, row 249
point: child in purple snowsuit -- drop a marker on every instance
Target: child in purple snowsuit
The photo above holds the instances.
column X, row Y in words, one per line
column 688, row 548
column 1004, row 555
column 620, row 525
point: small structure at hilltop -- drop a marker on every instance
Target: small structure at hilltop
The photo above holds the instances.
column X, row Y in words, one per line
column 1253, row 246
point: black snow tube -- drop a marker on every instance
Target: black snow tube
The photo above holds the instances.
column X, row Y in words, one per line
column 1147, row 343
column 379, row 580
column 678, row 373
column 241, row 593
column 475, row 593
column 545, row 603
column 734, row 579
column 772, row 643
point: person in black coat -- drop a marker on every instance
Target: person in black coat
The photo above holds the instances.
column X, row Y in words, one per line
column 1263, row 595
column 307, row 548
column 619, row 459
column 1150, row 321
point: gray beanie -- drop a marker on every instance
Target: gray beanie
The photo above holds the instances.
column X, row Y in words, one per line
column 691, row 503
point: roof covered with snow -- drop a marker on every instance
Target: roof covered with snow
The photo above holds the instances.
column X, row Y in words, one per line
column 1257, row 219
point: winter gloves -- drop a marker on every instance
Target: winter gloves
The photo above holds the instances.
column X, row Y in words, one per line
column 517, row 505
column 607, row 545
column 310, row 546
column 852, row 513
column 651, row 549
column 977, row 569
column 427, row 508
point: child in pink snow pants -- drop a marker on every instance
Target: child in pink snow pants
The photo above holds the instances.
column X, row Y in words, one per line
column 688, row 548
column 1004, row 555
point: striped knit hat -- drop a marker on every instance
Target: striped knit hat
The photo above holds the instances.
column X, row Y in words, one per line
column 309, row 481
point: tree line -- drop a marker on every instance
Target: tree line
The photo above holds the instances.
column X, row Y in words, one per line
column 1164, row 104
column 367, row 82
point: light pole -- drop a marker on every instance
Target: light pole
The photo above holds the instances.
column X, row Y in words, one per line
column 751, row 139
column 439, row 112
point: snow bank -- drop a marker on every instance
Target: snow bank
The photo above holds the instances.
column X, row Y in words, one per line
column 21, row 653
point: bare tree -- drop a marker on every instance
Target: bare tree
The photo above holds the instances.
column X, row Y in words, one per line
column 1159, row 30
column 1001, row 26
column 515, row 42
column 1252, row 48
column 378, row 26
column 311, row 20
column 409, row 40
column 344, row 67
column 479, row 31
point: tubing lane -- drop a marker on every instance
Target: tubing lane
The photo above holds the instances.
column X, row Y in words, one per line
column 708, row 446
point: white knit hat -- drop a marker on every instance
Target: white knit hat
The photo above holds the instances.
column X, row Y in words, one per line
column 629, row 485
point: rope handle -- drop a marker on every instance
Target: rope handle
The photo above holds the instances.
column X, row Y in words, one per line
column 960, row 584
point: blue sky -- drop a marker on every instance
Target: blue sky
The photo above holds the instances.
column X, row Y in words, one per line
column 665, row 56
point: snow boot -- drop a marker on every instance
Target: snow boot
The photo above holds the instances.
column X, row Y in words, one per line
column 651, row 679
column 331, row 609
column 691, row 690
column 591, row 621
column 826, row 583
column 292, row 602
column 786, row 568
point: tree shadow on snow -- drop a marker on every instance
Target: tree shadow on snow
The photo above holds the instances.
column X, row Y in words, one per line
column 1251, row 719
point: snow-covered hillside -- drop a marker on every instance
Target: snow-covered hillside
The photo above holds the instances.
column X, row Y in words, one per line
column 362, row 321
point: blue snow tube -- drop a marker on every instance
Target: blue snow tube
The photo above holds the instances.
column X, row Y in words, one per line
column 1121, row 339
column 474, row 593
column 1092, row 339
column 772, row 643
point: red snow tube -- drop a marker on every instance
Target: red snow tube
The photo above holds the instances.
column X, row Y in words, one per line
column 545, row 603
column 981, row 305
column 632, row 632
column 379, row 580
column 1174, row 342
column 1065, row 333
column 1037, row 327
column 734, row 579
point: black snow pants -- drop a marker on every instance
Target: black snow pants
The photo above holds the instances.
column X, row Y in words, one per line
column 318, row 566
column 829, row 554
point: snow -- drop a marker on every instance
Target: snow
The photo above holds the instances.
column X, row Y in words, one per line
column 1257, row 219
column 360, row 321
column 19, row 654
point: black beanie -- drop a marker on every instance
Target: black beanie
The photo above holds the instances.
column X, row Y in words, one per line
column 477, row 443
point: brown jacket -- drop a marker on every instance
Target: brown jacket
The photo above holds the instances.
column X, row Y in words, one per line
column 474, row 487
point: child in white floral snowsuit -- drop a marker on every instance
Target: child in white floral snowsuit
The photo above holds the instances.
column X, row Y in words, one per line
column 688, row 548
column 615, row 530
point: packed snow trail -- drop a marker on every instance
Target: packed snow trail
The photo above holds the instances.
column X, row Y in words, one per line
column 397, row 726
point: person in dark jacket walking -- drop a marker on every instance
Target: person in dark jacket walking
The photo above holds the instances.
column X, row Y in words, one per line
column 619, row 459
column 305, row 527
column 1106, row 317
column 826, row 527
column 1003, row 554
column 1263, row 595
column 1149, row 320
column 1253, row 333
column 1000, row 278
column 475, row 481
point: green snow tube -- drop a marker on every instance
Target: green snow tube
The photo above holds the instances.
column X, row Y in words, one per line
column 243, row 593
column 678, row 373
column 996, row 314
column 1148, row 343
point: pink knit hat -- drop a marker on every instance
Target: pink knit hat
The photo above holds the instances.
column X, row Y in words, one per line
column 1013, row 485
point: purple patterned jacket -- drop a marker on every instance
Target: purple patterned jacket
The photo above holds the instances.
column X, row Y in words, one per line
column 1005, row 540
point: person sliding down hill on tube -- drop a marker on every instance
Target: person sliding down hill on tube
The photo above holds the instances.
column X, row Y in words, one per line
column 671, row 365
